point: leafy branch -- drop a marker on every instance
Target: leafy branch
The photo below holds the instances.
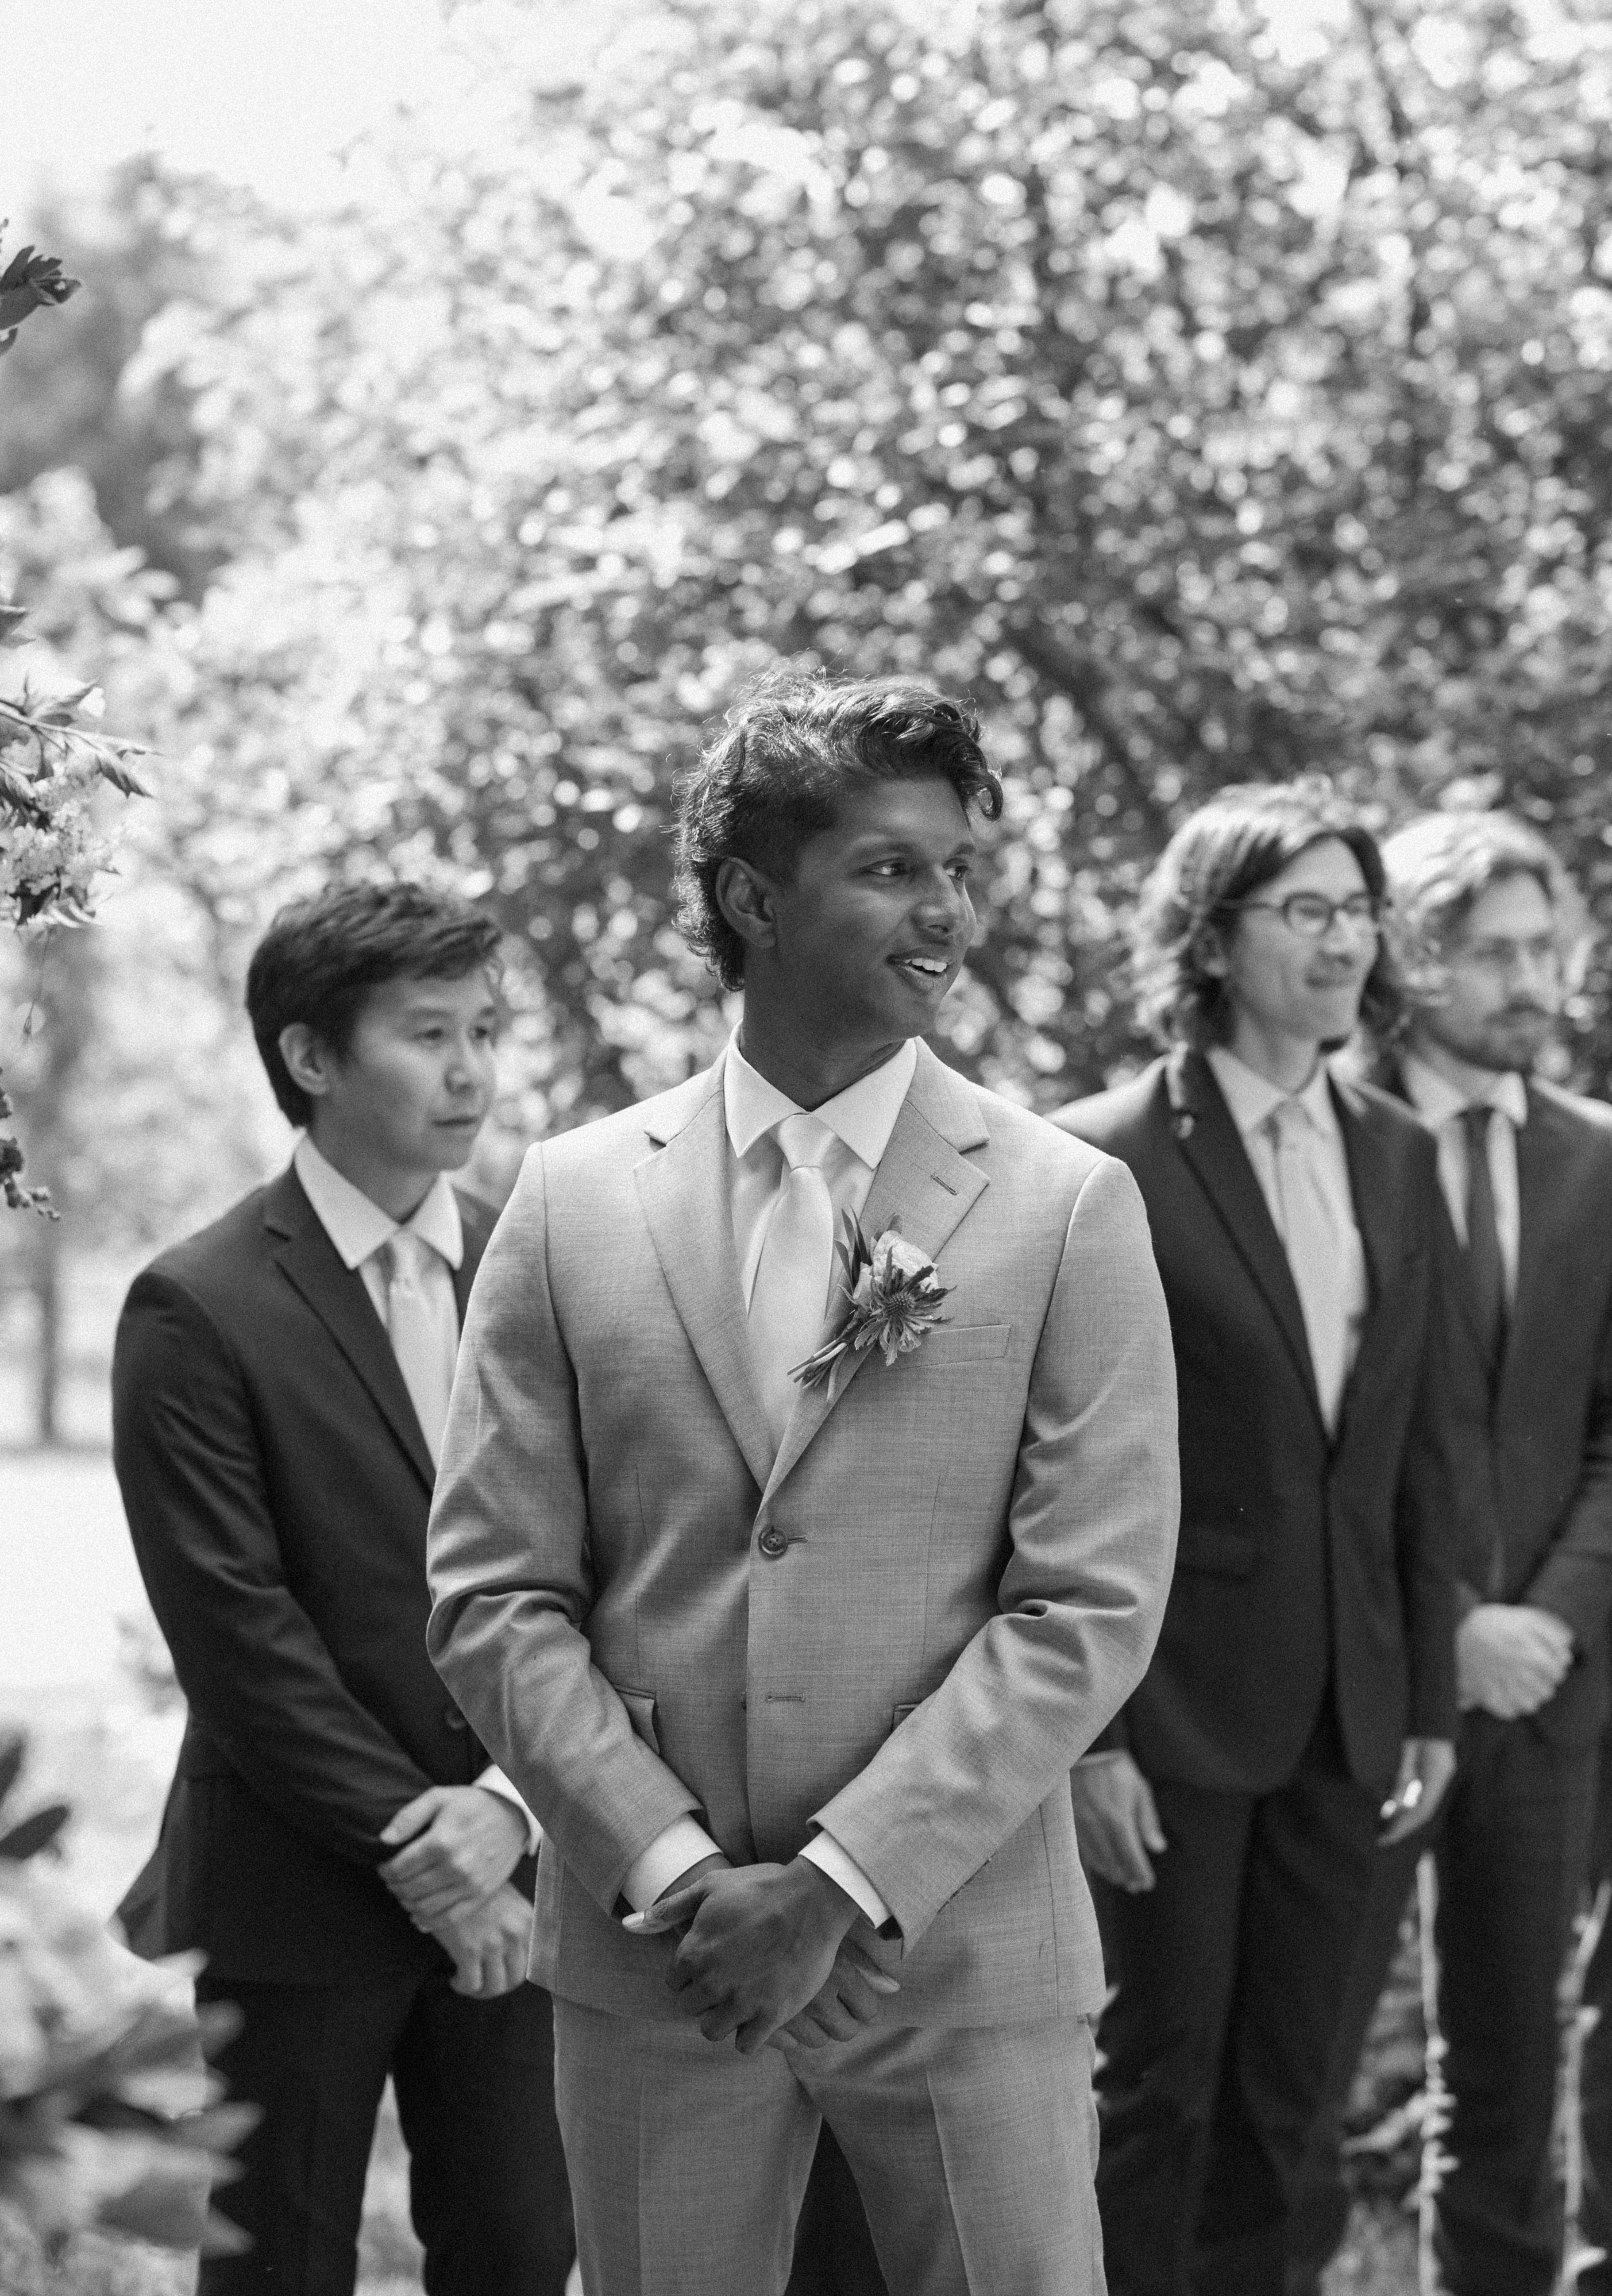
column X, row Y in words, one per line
column 53, row 758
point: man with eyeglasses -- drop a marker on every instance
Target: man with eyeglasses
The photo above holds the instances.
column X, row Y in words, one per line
column 1302, row 1697
column 1526, row 1175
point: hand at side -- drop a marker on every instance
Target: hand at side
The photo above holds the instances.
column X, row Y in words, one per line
column 1426, row 1767
column 1116, row 1821
column 489, row 1942
column 461, row 1843
column 760, row 1947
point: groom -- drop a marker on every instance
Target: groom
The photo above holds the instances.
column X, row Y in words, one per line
column 794, row 1677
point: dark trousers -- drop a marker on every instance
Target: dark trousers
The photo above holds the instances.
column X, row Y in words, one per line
column 1213, row 2047
column 1595, row 2213
column 475, row 2088
column 1510, row 1846
column 834, row 2253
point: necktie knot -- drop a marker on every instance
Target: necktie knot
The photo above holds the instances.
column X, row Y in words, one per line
column 404, row 1258
column 1474, row 1120
column 1289, row 1121
column 804, row 1141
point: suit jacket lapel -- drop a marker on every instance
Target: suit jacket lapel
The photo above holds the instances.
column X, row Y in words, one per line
column 1212, row 1146
column 1544, row 1158
column 923, row 1187
column 683, row 1188
column 336, row 1294
column 476, row 1222
column 1372, row 1184
column 1390, row 1077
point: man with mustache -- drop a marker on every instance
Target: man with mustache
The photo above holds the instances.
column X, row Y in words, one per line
column 1525, row 1174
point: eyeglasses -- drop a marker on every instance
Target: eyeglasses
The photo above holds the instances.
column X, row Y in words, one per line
column 1311, row 914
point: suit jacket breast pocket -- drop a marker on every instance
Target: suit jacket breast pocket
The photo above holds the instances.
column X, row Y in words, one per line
column 950, row 1346
column 640, row 1705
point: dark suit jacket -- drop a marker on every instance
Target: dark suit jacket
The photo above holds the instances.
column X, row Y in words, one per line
column 1303, row 1560
column 1537, row 1521
column 277, row 1484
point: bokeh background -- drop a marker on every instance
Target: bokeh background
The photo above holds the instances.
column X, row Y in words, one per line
column 464, row 402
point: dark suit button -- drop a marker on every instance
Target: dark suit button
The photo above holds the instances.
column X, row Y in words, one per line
column 772, row 1544
column 455, row 1718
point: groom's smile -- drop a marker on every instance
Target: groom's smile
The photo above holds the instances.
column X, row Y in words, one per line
column 872, row 928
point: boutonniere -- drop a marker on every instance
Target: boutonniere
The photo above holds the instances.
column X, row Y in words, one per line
column 893, row 1298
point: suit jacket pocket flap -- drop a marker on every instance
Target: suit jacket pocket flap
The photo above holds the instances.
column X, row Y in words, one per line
column 1221, row 1550
column 640, row 1705
column 950, row 1345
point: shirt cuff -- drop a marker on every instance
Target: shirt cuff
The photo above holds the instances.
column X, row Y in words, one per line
column 668, row 1856
column 496, row 1783
column 840, row 1866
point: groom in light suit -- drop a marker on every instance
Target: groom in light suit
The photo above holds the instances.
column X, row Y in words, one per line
column 794, row 1677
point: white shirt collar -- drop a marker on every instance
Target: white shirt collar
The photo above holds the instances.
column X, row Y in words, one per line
column 1437, row 1097
column 863, row 1116
column 1251, row 1097
column 359, row 1227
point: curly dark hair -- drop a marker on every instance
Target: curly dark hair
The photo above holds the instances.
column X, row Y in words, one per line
column 1245, row 836
column 320, row 958
column 775, row 775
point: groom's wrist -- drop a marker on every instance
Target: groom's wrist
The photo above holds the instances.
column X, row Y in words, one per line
column 833, row 1908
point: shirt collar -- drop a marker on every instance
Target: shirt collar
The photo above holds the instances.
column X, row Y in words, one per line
column 1437, row 1097
column 359, row 1227
column 1252, row 1098
column 863, row 1116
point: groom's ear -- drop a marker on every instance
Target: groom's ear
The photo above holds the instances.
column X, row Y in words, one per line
column 747, row 903
column 307, row 1058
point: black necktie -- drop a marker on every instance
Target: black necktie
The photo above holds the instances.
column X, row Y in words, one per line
column 1484, row 1262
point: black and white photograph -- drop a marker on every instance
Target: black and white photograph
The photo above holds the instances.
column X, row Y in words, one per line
column 806, row 1148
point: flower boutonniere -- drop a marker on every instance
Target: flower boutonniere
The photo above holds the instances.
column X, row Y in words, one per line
column 893, row 1297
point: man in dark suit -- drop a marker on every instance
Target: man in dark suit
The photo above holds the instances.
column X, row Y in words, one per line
column 1304, row 1671
column 1525, row 1208
column 335, row 1841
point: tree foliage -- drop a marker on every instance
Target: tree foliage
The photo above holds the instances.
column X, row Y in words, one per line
column 1207, row 406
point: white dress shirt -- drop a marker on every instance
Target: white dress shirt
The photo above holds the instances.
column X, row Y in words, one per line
column 359, row 1229
column 861, row 1118
column 1253, row 1099
column 1439, row 1094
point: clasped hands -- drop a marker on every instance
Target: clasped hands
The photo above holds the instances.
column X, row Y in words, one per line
column 766, row 1954
column 1510, row 1658
column 452, row 1878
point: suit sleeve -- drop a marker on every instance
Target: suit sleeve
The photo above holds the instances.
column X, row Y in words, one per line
column 1091, row 1546
column 1574, row 1580
column 252, row 1665
column 1440, row 1493
column 507, row 1556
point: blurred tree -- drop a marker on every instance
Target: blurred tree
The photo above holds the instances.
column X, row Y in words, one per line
column 67, row 393
column 1210, row 399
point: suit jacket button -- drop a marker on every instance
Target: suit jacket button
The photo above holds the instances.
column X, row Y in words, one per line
column 772, row 1544
column 455, row 1718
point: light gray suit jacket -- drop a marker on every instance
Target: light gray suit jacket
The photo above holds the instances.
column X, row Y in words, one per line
column 905, row 1628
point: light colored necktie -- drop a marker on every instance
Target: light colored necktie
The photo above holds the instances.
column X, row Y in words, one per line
column 791, row 1287
column 416, row 1335
column 1317, row 1253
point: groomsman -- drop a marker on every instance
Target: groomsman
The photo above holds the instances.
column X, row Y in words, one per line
column 1302, row 1696
column 1525, row 1174
column 335, row 1841
column 788, row 1669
